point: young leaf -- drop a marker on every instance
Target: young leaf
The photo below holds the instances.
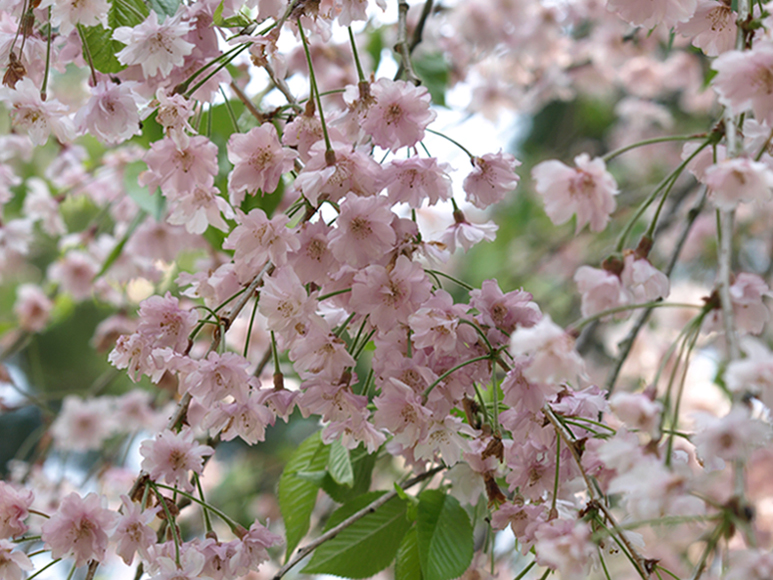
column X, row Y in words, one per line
column 339, row 465
column 444, row 536
column 367, row 546
column 297, row 496
column 102, row 48
column 362, row 467
column 407, row 565
column 126, row 13
column 164, row 7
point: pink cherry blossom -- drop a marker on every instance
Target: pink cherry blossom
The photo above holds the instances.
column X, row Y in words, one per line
column 587, row 191
column 13, row 563
column 133, row 532
column 390, row 296
column 217, row 377
column 79, row 528
column 246, row 418
column 732, row 437
column 178, row 171
column 173, row 456
column 363, row 232
column 601, row 290
column 645, row 282
column 258, row 239
column 463, row 234
column 554, row 357
column 251, row 552
column 83, row 425
column 314, row 260
column 35, row 117
column 565, row 546
column 353, row 171
column 492, row 178
column 200, row 208
column 415, row 179
column 284, row 302
column 157, row 48
column 172, row 114
column 32, row 307
column 259, row 162
column 190, row 568
column 111, row 114
column 14, row 509
column 650, row 14
column 504, row 311
column 163, row 322
column 712, row 27
column 739, row 180
column 637, row 411
column 750, row 314
column 69, row 13
column 400, row 114
column 744, row 80
column 399, row 410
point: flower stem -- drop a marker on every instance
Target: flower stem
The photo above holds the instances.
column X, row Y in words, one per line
column 617, row 152
column 314, row 87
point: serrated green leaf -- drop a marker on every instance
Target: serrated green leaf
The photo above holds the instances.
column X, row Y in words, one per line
column 153, row 203
column 362, row 466
column 314, row 477
column 434, row 72
column 297, row 496
column 165, row 7
column 444, row 536
column 407, row 565
column 102, row 48
column 367, row 546
column 126, row 13
column 339, row 465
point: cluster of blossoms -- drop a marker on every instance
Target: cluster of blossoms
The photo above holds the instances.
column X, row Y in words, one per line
column 310, row 224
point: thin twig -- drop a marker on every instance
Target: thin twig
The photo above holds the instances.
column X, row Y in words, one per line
column 247, row 102
column 418, row 32
column 592, row 493
column 401, row 46
column 333, row 532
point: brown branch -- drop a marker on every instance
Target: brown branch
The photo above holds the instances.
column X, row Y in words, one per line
column 401, row 46
column 333, row 532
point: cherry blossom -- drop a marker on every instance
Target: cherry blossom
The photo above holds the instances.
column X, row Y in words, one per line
column 173, row 456
column 14, row 509
column 79, row 528
column 587, row 191
column 156, row 47
column 13, row 563
column 400, row 114
column 35, row 117
column 744, row 80
column 259, row 162
column 112, row 112
column 492, row 178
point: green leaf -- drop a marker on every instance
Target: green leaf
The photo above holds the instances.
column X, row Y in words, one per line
column 339, row 465
column 102, row 48
column 362, row 467
column 444, row 536
column 165, row 7
column 126, row 13
column 407, row 565
column 314, row 477
column 298, row 496
column 367, row 546
column 434, row 72
column 153, row 203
